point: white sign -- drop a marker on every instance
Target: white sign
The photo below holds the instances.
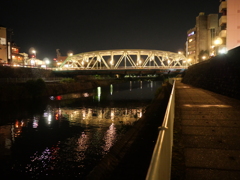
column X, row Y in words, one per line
column 3, row 41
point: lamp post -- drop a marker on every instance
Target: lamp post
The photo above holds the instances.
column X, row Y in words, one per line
column 111, row 63
column 33, row 61
column 47, row 61
column 34, row 52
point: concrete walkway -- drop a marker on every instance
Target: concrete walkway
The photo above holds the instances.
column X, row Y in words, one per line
column 206, row 135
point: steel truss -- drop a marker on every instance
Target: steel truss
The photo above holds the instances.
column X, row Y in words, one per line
column 126, row 59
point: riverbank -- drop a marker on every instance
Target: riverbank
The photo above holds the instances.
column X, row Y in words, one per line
column 33, row 89
column 37, row 88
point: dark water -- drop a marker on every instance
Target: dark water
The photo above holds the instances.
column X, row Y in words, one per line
column 66, row 136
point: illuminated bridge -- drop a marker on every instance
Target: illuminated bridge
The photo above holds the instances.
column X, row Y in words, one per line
column 125, row 59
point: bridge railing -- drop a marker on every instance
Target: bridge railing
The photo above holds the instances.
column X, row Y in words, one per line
column 160, row 166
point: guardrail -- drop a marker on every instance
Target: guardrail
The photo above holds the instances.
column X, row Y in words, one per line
column 160, row 166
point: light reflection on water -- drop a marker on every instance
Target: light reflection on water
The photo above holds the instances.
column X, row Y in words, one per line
column 69, row 138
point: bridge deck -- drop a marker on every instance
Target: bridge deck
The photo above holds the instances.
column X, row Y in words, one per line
column 207, row 135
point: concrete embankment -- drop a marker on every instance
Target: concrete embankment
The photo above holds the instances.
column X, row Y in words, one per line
column 220, row 74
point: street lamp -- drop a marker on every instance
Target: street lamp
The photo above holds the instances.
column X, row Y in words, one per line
column 70, row 53
column 34, row 52
column 33, row 60
column 47, row 61
column 139, row 62
column 111, row 63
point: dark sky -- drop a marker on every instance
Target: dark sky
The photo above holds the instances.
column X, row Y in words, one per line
column 89, row 25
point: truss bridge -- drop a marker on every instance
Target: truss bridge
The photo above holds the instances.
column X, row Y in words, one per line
column 135, row 59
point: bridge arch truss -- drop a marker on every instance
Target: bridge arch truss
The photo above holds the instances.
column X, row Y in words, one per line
column 126, row 59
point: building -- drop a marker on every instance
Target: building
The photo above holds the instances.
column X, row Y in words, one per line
column 59, row 60
column 9, row 51
column 3, row 45
column 17, row 59
column 191, row 45
column 212, row 36
column 200, row 39
column 229, row 24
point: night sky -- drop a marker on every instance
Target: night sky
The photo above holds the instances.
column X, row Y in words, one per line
column 89, row 25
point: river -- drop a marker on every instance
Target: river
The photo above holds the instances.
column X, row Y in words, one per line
column 66, row 136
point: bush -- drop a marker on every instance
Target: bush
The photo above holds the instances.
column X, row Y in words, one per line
column 67, row 80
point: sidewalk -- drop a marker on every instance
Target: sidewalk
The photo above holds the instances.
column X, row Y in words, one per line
column 206, row 135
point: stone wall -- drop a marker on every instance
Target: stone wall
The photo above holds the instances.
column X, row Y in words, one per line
column 220, row 74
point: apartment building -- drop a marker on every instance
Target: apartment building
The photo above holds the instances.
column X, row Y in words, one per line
column 229, row 23
column 212, row 35
column 200, row 39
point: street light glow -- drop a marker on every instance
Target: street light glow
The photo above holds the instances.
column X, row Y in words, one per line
column 218, row 41
column 223, row 50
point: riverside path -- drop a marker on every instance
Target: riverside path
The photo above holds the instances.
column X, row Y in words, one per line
column 206, row 135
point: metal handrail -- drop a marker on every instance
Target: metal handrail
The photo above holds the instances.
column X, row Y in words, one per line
column 160, row 166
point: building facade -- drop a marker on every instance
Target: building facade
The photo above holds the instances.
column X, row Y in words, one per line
column 191, row 45
column 3, row 45
column 230, row 10
column 9, row 51
column 200, row 38
column 17, row 59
